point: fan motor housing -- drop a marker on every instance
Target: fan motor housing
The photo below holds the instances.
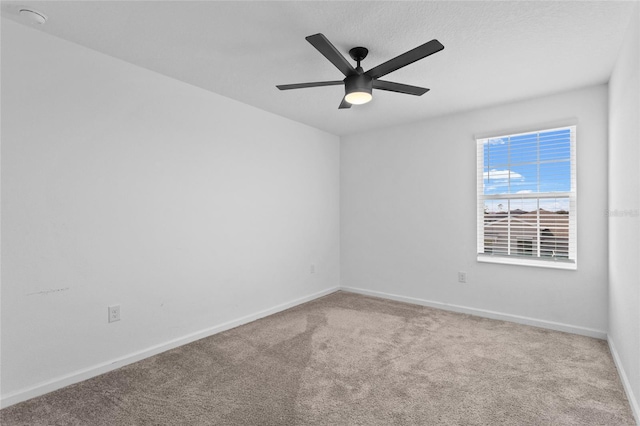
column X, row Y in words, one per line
column 358, row 83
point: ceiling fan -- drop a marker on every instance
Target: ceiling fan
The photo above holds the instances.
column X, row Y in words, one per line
column 359, row 84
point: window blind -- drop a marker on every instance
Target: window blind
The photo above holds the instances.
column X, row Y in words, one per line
column 527, row 196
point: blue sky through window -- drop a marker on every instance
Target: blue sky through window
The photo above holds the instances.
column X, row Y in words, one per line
column 529, row 163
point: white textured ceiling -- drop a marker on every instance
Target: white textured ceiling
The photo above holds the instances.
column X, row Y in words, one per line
column 495, row 52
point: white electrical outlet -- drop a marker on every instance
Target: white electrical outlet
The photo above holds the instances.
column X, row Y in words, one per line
column 462, row 277
column 114, row 313
column 312, row 269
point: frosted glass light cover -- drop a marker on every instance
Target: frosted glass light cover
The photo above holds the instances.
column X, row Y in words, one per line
column 358, row 98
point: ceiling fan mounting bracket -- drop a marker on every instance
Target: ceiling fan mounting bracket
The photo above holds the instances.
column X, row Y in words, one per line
column 358, row 53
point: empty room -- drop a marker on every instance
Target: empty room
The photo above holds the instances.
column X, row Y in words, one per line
column 320, row 213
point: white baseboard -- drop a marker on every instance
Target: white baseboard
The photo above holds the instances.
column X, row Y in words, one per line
column 635, row 408
column 87, row 373
column 584, row 331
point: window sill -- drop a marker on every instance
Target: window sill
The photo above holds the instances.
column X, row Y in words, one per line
column 539, row 263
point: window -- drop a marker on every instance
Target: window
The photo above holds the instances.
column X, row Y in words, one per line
column 527, row 198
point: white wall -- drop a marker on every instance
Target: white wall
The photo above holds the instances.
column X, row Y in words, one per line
column 624, row 203
column 408, row 216
column 122, row 186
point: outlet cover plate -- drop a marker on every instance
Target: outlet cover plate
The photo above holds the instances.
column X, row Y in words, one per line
column 114, row 313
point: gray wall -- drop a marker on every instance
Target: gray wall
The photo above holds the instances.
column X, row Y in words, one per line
column 624, row 206
column 122, row 186
column 408, row 216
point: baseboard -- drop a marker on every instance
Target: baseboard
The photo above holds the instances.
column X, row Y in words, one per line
column 633, row 402
column 87, row 373
column 84, row 374
column 598, row 334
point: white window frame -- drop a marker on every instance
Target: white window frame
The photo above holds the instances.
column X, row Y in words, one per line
column 570, row 263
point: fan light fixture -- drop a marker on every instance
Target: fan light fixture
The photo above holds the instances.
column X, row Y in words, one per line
column 358, row 88
column 358, row 98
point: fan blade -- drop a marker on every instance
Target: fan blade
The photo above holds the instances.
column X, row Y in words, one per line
column 405, row 59
column 324, row 46
column 399, row 88
column 344, row 104
column 305, row 85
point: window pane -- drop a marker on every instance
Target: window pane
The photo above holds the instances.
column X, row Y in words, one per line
column 555, row 145
column 554, row 232
column 496, row 227
column 524, row 149
column 496, row 152
column 524, row 179
column 497, row 181
column 517, row 227
column 555, row 177
column 528, row 163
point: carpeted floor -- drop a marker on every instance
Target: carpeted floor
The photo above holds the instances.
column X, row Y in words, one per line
column 347, row 359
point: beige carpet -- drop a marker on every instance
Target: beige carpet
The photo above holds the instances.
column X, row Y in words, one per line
column 347, row 359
